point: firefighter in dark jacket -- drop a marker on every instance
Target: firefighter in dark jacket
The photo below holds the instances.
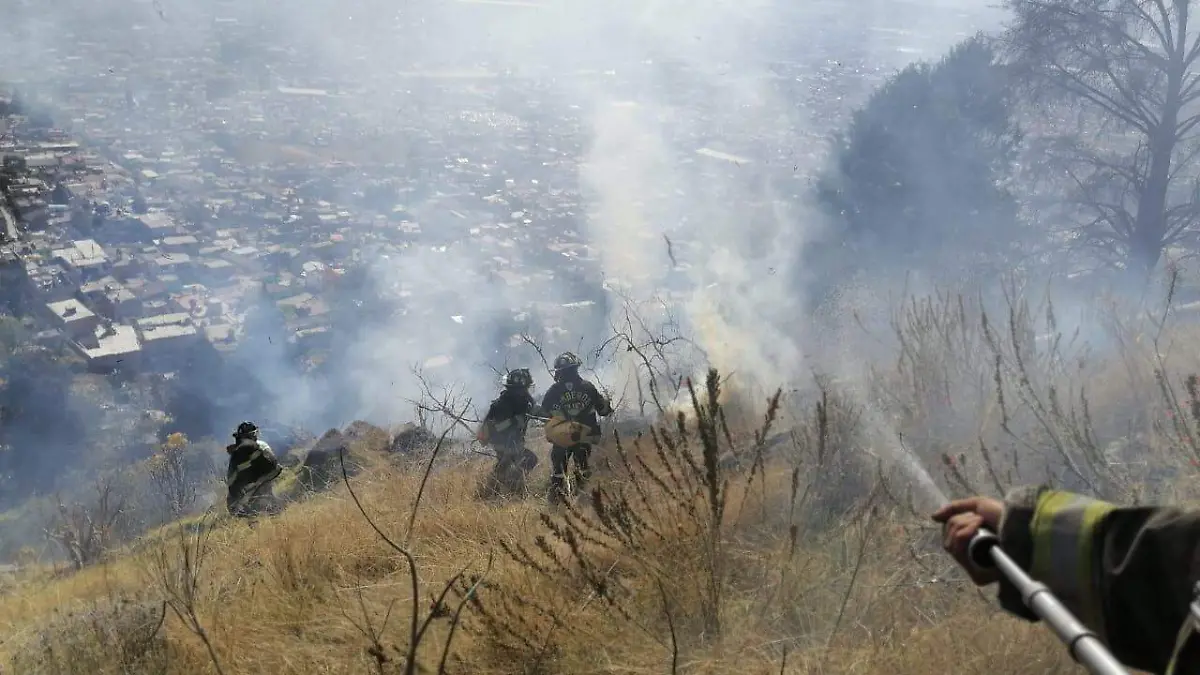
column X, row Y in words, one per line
column 252, row 467
column 503, row 430
column 1129, row 573
column 573, row 404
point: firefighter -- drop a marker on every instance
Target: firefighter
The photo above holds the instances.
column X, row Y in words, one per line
column 503, row 430
column 572, row 404
column 252, row 468
column 1129, row 573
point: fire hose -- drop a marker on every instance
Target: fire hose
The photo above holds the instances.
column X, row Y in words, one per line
column 1084, row 645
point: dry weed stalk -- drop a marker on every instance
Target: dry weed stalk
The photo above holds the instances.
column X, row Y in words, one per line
column 962, row 377
column 177, row 573
column 658, row 511
column 418, row 627
column 1183, row 418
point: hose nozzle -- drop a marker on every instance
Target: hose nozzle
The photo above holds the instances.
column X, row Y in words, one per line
column 980, row 548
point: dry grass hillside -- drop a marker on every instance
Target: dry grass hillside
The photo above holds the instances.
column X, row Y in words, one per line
column 783, row 541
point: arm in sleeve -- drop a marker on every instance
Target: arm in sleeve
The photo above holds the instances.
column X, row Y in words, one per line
column 492, row 412
column 533, row 409
column 603, row 406
column 550, row 401
column 1125, row 572
column 267, row 452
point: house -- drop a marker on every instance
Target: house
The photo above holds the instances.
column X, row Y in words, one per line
column 48, row 282
column 313, row 273
column 216, row 272
column 111, row 298
column 167, row 339
column 186, row 244
column 156, row 224
column 85, row 260
column 173, row 264
column 72, row 317
column 109, row 346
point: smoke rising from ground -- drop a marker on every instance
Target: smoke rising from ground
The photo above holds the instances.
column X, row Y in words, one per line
column 629, row 94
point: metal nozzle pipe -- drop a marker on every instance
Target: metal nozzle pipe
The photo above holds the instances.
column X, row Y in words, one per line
column 1084, row 645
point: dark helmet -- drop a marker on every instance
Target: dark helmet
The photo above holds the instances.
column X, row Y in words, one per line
column 246, row 430
column 519, row 379
column 565, row 365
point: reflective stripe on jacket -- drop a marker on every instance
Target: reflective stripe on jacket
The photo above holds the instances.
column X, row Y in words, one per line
column 1128, row 573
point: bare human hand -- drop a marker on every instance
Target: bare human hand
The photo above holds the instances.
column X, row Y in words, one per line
column 961, row 519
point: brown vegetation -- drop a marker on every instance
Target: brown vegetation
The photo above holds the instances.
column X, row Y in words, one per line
column 797, row 542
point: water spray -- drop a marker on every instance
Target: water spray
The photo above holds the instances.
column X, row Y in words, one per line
column 1084, row 645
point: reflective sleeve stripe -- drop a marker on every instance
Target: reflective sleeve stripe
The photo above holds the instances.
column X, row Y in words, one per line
column 501, row 426
column 1062, row 530
column 1185, row 634
column 249, row 460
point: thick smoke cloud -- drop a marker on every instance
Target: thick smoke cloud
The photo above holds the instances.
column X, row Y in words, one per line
column 642, row 86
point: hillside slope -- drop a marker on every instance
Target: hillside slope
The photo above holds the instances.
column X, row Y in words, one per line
column 684, row 561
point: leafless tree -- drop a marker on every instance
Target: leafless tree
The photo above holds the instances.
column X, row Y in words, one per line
column 86, row 531
column 175, row 474
column 448, row 403
column 1126, row 70
column 663, row 354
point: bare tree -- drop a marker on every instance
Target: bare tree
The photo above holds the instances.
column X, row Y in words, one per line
column 445, row 403
column 663, row 356
column 175, row 475
column 1126, row 68
column 86, row 531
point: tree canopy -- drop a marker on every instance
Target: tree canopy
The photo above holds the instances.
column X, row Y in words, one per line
column 921, row 169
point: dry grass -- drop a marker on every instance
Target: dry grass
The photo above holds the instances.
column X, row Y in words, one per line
column 288, row 596
column 706, row 546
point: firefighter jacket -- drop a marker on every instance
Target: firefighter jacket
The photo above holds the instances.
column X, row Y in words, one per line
column 508, row 417
column 1129, row 573
column 577, row 400
column 251, row 464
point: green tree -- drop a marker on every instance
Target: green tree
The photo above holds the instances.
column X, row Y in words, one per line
column 918, row 178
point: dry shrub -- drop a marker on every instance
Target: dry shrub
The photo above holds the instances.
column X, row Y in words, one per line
column 117, row 637
column 999, row 396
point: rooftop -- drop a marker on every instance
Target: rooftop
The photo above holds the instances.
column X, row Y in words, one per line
column 112, row 341
column 110, row 287
column 157, row 220
column 165, row 326
column 82, row 253
column 181, row 240
column 70, row 310
column 302, row 91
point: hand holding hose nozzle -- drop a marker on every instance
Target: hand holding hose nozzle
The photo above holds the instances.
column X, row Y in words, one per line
column 1085, row 646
